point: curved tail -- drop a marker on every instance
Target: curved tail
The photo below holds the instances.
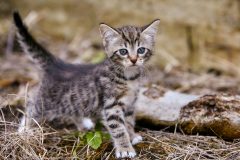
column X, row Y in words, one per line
column 30, row 45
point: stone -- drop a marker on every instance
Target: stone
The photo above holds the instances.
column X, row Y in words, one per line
column 216, row 114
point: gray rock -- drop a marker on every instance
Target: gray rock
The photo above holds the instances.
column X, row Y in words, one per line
column 208, row 114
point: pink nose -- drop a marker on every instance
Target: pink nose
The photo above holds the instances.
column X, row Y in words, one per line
column 133, row 60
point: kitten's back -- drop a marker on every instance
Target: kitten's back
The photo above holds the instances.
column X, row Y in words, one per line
column 54, row 67
column 64, row 71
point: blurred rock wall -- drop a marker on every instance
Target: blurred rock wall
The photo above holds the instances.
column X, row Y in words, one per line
column 199, row 35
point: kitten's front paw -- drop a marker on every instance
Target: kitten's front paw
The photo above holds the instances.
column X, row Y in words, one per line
column 125, row 153
column 137, row 139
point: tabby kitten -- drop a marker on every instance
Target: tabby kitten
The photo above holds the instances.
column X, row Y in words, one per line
column 84, row 93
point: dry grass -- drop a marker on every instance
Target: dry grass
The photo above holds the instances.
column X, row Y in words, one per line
column 66, row 144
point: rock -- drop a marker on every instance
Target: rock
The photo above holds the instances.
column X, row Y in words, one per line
column 159, row 106
column 209, row 114
column 217, row 114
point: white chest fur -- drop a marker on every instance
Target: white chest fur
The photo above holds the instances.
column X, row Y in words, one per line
column 131, row 95
column 132, row 86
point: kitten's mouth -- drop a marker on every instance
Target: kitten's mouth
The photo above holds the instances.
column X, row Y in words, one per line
column 134, row 66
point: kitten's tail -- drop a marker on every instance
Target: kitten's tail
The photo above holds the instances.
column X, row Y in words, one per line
column 30, row 45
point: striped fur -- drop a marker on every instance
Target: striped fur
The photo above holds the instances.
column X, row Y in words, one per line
column 30, row 46
column 81, row 93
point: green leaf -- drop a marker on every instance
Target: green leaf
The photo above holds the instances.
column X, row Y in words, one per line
column 94, row 139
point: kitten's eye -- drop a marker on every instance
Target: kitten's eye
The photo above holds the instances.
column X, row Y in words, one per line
column 123, row 52
column 141, row 50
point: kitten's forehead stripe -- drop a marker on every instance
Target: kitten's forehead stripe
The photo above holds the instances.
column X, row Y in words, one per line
column 130, row 34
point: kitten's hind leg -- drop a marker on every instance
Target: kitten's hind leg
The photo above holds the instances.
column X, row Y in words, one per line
column 22, row 125
column 88, row 123
column 27, row 122
column 83, row 123
column 30, row 118
column 115, row 123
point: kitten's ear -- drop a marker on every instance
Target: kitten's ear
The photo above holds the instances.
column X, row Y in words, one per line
column 151, row 29
column 108, row 33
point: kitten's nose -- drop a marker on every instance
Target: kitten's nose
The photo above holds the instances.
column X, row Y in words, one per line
column 133, row 60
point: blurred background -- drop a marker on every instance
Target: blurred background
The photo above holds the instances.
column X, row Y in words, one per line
column 196, row 36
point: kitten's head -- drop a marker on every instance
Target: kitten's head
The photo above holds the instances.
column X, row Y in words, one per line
column 129, row 46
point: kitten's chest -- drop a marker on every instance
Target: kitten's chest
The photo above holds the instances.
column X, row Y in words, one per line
column 133, row 86
column 130, row 94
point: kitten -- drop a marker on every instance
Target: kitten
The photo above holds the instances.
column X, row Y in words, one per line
column 84, row 93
